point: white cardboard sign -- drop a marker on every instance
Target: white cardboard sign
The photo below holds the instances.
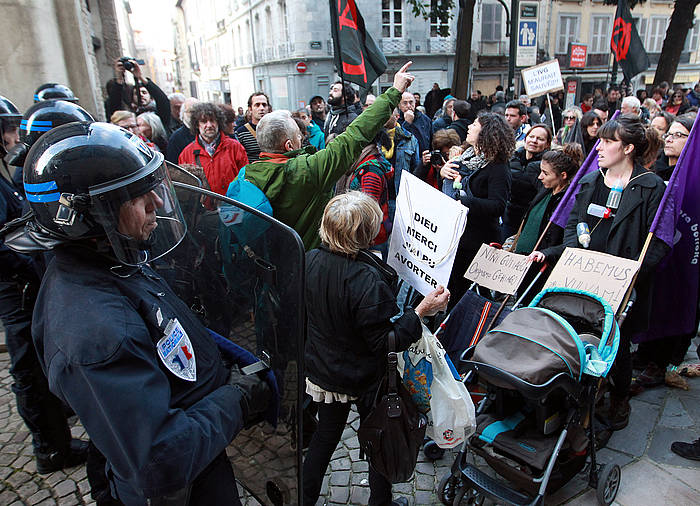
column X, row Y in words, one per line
column 605, row 275
column 497, row 269
column 542, row 79
column 424, row 240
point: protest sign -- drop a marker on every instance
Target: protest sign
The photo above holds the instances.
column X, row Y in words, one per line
column 542, row 79
column 424, row 240
column 604, row 275
column 497, row 269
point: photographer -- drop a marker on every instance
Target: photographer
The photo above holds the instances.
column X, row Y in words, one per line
column 145, row 96
column 431, row 161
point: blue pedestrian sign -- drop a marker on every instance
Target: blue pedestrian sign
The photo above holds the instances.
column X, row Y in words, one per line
column 527, row 34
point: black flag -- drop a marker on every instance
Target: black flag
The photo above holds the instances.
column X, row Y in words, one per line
column 357, row 56
column 626, row 44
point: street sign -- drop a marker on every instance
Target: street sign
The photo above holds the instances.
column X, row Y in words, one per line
column 577, row 55
column 301, row 67
column 542, row 79
column 526, row 54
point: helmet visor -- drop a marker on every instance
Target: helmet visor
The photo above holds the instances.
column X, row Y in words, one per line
column 142, row 220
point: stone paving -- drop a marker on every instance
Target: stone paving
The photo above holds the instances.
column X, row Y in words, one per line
column 651, row 473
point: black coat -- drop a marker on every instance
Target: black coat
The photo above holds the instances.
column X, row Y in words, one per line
column 177, row 142
column 628, row 232
column 524, row 188
column 349, row 303
column 460, row 126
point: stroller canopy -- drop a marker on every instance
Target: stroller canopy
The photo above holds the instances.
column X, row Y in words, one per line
column 563, row 330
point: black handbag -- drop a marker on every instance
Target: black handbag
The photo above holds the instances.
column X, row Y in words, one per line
column 392, row 434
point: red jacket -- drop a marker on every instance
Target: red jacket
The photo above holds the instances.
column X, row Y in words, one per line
column 223, row 167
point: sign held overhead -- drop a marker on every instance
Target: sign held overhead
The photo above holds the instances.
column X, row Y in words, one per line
column 542, row 79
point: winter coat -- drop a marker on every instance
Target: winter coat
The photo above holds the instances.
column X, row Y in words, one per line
column 406, row 157
column 460, row 125
column 421, row 129
column 628, row 233
column 220, row 169
column 524, row 187
column 338, row 120
column 300, row 183
column 177, row 142
column 350, row 303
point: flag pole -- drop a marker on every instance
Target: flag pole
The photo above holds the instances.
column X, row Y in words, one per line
column 336, row 50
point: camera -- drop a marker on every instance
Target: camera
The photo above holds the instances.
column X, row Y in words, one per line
column 128, row 62
column 436, row 157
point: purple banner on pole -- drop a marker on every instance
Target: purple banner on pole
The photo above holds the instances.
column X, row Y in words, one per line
column 561, row 214
column 677, row 223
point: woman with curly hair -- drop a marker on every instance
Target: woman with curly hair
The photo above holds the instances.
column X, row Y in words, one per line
column 485, row 176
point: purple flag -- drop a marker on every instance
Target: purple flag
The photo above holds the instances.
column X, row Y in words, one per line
column 677, row 222
column 561, row 214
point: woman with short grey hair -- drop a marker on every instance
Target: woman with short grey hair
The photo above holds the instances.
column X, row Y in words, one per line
column 350, row 302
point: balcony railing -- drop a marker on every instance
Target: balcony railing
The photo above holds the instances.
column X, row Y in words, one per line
column 493, row 48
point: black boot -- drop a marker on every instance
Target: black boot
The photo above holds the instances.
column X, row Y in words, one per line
column 52, row 461
column 687, row 450
column 619, row 414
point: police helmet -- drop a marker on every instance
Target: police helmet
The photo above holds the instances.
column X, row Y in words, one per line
column 48, row 91
column 9, row 118
column 86, row 180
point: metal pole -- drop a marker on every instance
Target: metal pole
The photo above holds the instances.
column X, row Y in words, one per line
column 513, row 47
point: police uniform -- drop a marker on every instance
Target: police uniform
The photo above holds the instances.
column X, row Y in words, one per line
column 152, row 394
column 41, row 411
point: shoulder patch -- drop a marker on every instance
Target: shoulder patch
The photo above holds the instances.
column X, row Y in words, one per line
column 176, row 352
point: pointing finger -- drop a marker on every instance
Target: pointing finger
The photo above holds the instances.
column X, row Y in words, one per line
column 406, row 65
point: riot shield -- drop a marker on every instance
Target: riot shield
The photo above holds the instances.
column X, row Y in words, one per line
column 242, row 272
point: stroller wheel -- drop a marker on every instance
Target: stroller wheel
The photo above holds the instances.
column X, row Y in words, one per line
column 468, row 496
column 432, row 450
column 608, row 484
column 448, row 488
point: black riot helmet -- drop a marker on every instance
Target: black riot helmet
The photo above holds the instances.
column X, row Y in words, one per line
column 9, row 119
column 48, row 91
column 96, row 180
column 39, row 119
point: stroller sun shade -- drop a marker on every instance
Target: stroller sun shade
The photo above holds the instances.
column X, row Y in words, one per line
column 533, row 344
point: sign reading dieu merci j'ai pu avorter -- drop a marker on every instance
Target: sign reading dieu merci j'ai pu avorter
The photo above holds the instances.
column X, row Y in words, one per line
column 424, row 240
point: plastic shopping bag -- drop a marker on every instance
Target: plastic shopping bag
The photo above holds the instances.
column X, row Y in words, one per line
column 434, row 384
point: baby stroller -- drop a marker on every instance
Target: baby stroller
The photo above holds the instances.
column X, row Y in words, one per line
column 542, row 367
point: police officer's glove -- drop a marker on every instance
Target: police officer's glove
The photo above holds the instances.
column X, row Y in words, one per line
column 256, row 395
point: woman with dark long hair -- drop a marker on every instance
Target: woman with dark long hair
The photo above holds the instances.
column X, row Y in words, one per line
column 625, row 147
column 485, row 177
column 590, row 123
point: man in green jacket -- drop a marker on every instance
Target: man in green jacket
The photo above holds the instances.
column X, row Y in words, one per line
column 299, row 182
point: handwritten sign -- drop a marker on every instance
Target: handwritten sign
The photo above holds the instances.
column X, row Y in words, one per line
column 604, row 275
column 542, row 79
column 424, row 240
column 497, row 270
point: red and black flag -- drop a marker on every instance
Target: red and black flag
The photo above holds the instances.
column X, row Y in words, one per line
column 357, row 56
column 626, row 44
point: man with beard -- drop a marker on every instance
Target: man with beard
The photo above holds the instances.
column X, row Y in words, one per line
column 340, row 115
column 219, row 156
column 258, row 106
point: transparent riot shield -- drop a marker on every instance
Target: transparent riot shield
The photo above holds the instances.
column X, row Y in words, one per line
column 242, row 272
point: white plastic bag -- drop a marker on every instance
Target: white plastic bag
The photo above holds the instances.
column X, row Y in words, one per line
column 434, row 384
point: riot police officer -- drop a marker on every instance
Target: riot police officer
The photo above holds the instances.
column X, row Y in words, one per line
column 136, row 365
column 40, row 410
column 49, row 91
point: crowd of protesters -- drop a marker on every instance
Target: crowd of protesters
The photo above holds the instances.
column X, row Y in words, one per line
column 513, row 159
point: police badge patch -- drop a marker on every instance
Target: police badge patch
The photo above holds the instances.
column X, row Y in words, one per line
column 176, row 352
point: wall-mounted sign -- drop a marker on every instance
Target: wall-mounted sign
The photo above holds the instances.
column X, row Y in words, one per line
column 301, row 67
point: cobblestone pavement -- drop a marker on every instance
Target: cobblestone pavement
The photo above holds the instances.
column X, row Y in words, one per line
column 651, row 473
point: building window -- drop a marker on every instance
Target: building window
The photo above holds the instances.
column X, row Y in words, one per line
column 392, row 19
column 491, row 24
column 641, row 24
column 657, row 33
column 691, row 41
column 436, row 23
column 567, row 31
column 601, row 30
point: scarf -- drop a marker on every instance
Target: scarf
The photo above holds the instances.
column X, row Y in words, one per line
column 389, row 153
column 531, row 229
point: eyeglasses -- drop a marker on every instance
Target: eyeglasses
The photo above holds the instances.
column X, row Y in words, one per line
column 674, row 135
